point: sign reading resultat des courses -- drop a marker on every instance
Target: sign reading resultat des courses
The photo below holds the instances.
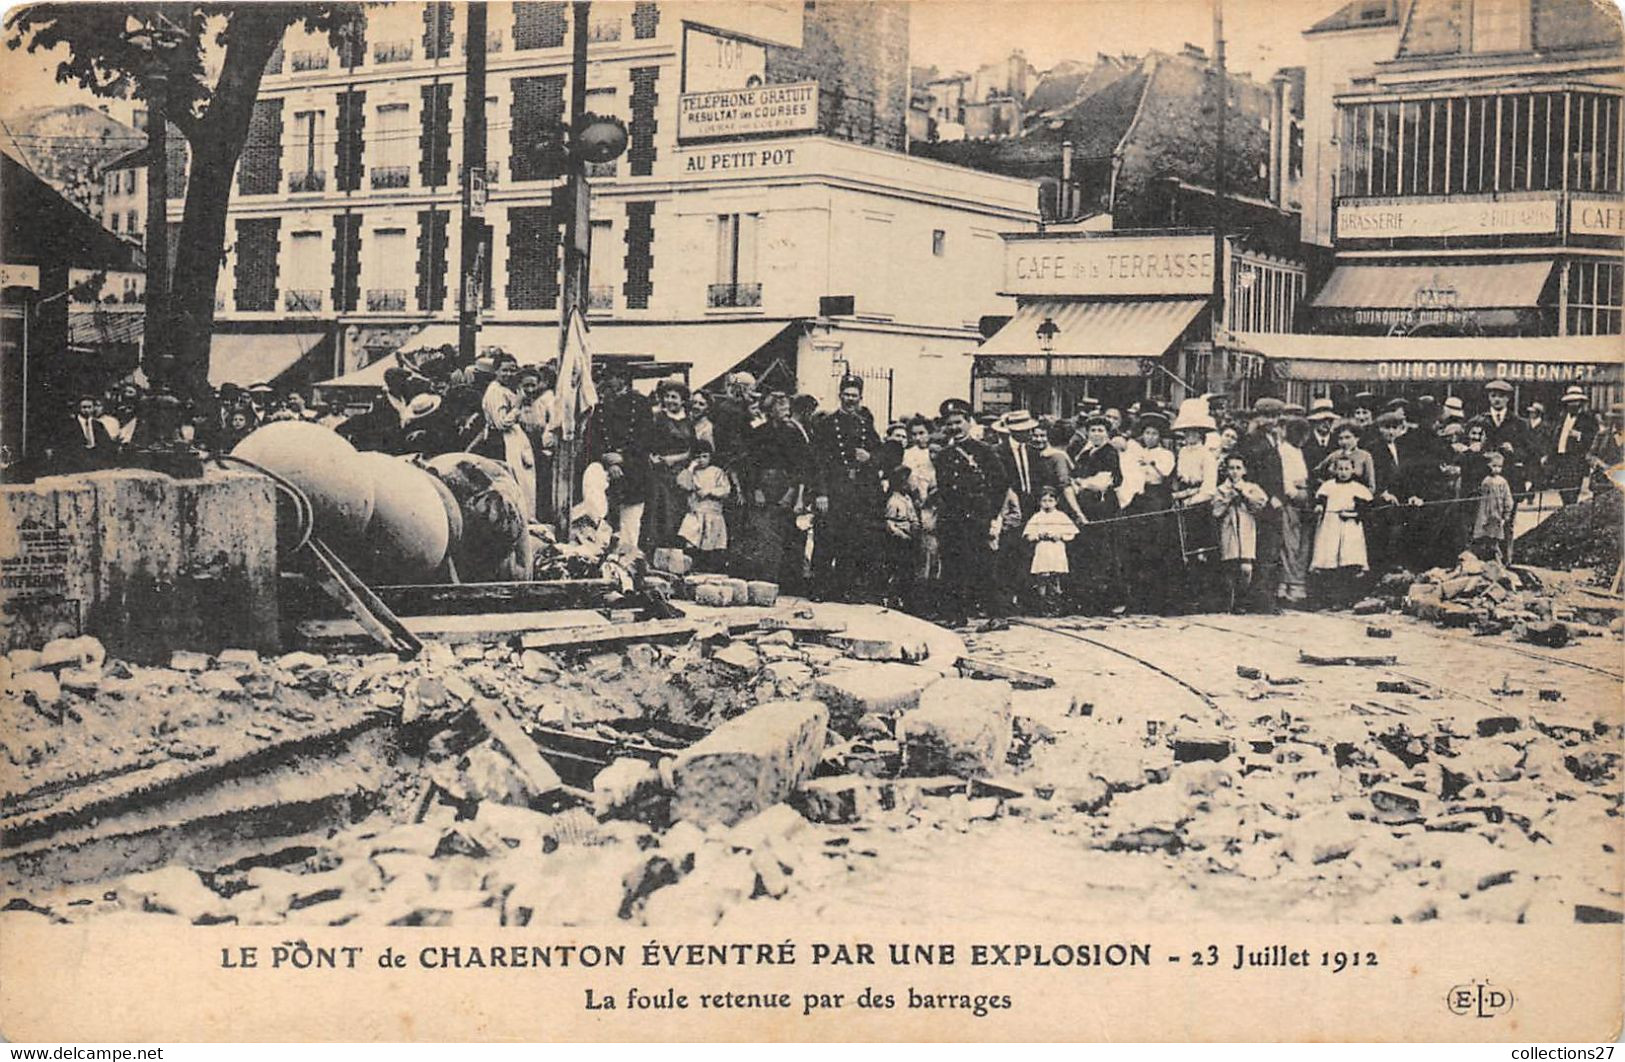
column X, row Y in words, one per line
column 747, row 111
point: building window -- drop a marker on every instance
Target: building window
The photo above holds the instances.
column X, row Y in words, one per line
column 129, row 180
column 1263, row 296
column 1594, row 298
column 390, row 275
column 132, row 221
column 309, row 168
column 1502, row 142
column 392, row 147
column 939, row 242
column 601, row 269
column 307, row 269
column 113, row 221
column 735, row 283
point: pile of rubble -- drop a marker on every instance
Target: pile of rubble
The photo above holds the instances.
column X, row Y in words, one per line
column 692, row 783
column 1489, row 597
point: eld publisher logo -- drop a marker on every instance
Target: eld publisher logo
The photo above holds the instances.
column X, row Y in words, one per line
column 1478, row 999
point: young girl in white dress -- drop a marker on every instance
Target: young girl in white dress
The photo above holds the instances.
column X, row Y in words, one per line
column 1339, row 555
column 1050, row 530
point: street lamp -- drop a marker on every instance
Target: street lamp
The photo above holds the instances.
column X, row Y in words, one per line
column 1047, row 331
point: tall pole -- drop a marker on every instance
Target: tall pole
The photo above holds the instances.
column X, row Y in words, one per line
column 155, row 350
column 471, row 267
column 577, row 236
column 1221, row 95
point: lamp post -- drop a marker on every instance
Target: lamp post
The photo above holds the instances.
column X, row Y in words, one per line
column 1047, row 330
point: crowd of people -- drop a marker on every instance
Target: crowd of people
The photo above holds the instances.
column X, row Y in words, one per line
column 958, row 515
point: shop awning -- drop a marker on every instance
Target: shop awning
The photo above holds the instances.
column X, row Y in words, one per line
column 1467, row 287
column 1098, row 338
column 1446, row 359
column 709, row 348
column 249, row 358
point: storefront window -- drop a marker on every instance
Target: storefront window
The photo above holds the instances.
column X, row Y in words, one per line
column 1507, row 142
column 1595, row 298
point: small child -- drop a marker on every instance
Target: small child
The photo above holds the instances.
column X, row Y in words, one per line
column 1339, row 556
column 1494, row 515
column 903, row 535
column 1234, row 503
column 704, row 528
column 1050, row 530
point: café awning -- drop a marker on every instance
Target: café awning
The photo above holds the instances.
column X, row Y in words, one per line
column 245, row 359
column 1446, row 359
column 709, row 348
column 1092, row 338
column 1467, row 287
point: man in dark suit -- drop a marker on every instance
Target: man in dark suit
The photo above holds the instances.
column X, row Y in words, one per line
column 1573, row 435
column 1508, row 433
column 1261, row 450
column 970, row 489
column 1321, row 439
column 849, row 501
column 1400, row 471
column 1020, row 465
column 85, row 444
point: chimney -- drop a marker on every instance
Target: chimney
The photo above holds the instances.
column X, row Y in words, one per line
column 1063, row 205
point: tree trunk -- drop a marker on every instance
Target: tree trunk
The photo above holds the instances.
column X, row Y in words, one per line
column 217, row 141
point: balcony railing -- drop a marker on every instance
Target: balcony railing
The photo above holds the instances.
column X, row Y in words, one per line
column 604, row 30
column 391, row 176
column 493, row 42
column 601, row 297
column 392, row 51
column 302, row 301
column 493, row 173
column 313, row 60
column 386, row 299
column 311, row 181
column 718, row 296
column 603, row 169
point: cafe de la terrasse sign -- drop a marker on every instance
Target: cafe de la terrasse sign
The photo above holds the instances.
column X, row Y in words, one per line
column 747, row 111
column 1096, row 265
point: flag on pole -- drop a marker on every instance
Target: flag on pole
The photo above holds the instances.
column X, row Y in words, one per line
column 576, row 392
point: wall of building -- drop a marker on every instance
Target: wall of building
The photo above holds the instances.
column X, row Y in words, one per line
column 857, row 51
column 1335, row 60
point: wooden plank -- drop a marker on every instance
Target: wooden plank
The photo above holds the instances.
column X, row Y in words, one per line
column 1350, row 660
column 1020, row 678
column 609, row 635
column 415, row 599
column 541, row 778
column 345, row 635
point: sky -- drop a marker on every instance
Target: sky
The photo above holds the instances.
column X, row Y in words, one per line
column 1261, row 36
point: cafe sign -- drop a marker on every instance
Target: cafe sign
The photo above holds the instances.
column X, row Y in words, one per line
column 1100, row 265
column 1597, row 217
column 761, row 109
column 1401, row 219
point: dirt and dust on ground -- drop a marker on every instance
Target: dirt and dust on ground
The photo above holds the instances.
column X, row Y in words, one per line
column 1322, row 768
column 1584, row 535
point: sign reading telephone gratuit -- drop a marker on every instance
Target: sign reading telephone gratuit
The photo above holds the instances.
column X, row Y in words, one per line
column 749, row 111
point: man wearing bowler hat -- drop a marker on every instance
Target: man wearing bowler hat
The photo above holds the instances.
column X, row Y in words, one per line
column 1572, row 437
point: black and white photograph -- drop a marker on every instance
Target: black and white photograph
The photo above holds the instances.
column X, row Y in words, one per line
column 812, row 520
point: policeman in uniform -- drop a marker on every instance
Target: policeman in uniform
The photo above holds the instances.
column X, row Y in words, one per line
column 970, row 490
column 848, row 501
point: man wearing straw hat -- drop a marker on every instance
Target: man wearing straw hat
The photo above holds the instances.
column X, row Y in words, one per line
column 1572, row 438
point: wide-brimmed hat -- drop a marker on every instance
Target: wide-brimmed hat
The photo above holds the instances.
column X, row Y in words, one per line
column 1322, row 409
column 1152, row 419
column 1194, row 416
column 1574, row 394
column 1453, row 407
column 1019, row 420
column 1498, row 385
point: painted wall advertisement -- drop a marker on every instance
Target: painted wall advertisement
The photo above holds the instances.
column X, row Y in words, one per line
column 742, row 112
